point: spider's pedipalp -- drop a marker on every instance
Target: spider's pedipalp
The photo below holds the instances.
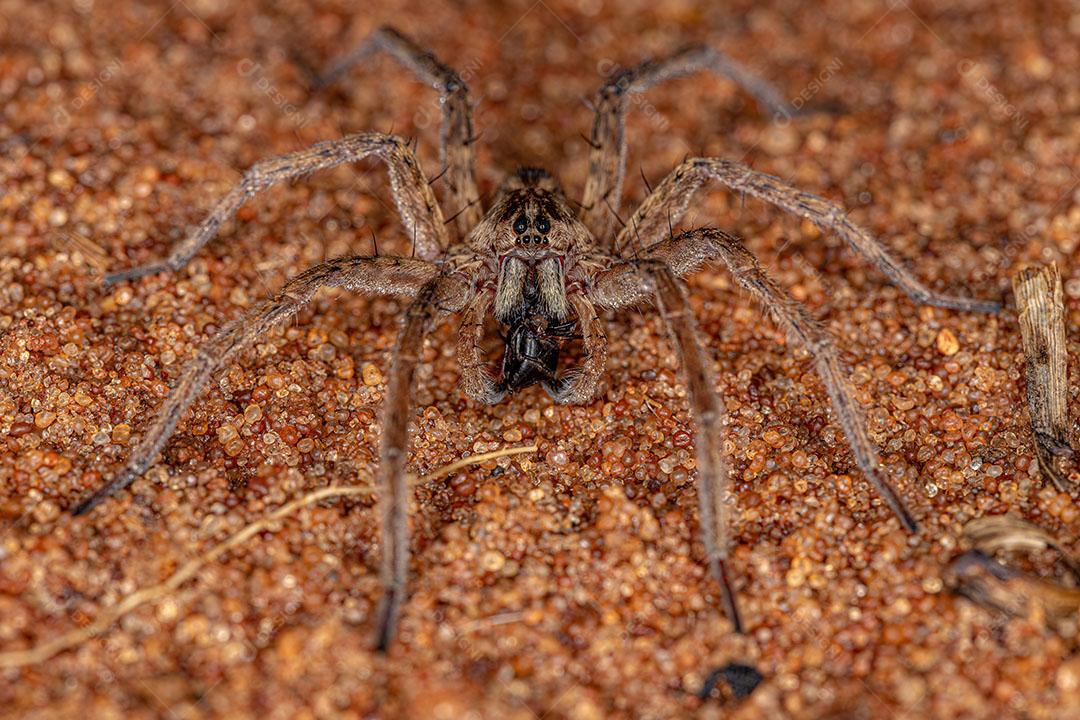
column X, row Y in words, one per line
column 666, row 204
column 578, row 385
column 476, row 381
column 374, row 275
column 412, row 195
column 456, row 132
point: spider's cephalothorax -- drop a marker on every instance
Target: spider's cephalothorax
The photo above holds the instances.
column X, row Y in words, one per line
column 541, row 270
column 534, row 238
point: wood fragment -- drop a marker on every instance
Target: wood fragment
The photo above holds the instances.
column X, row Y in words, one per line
column 1042, row 326
column 1009, row 533
column 981, row 578
column 993, row 585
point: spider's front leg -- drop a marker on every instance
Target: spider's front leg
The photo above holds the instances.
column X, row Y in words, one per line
column 621, row 286
column 444, row 294
column 607, row 156
column 372, row 275
column 628, row 284
column 415, row 201
column 667, row 203
column 633, row 282
column 456, row 132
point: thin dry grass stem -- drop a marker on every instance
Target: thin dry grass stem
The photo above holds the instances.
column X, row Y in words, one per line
column 81, row 249
column 1042, row 327
column 44, row 651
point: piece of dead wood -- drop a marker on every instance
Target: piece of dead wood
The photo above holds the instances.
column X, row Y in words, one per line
column 1009, row 533
column 1042, row 326
column 980, row 577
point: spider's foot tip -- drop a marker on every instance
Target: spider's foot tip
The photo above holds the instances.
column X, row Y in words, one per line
column 964, row 304
column 85, row 506
column 383, row 642
column 94, row 500
column 134, row 273
column 115, row 278
column 737, row 625
column 318, row 82
column 788, row 113
column 387, row 622
column 826, row 107
column 990, row 307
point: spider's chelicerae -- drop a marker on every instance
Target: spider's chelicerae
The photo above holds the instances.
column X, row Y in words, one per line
column 543, row 268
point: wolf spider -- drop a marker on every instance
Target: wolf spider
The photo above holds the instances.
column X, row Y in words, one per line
column 542, row 268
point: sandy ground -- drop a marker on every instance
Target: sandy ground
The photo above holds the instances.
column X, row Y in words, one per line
column 564, row 583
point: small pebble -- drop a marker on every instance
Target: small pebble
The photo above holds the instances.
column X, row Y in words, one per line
column 121, row 434
column 371, row 375
column 947, row 344
column 252, row 414
column 492, row 561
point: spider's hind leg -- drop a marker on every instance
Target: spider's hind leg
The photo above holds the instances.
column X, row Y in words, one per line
column 607, row 156
column 653, row 220
column 456, row 133
column 412, row 195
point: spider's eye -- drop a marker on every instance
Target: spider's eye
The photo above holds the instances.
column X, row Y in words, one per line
column 542, row 224
column 521, row 224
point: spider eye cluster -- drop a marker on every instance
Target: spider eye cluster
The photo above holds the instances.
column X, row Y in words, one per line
column 542, row 225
